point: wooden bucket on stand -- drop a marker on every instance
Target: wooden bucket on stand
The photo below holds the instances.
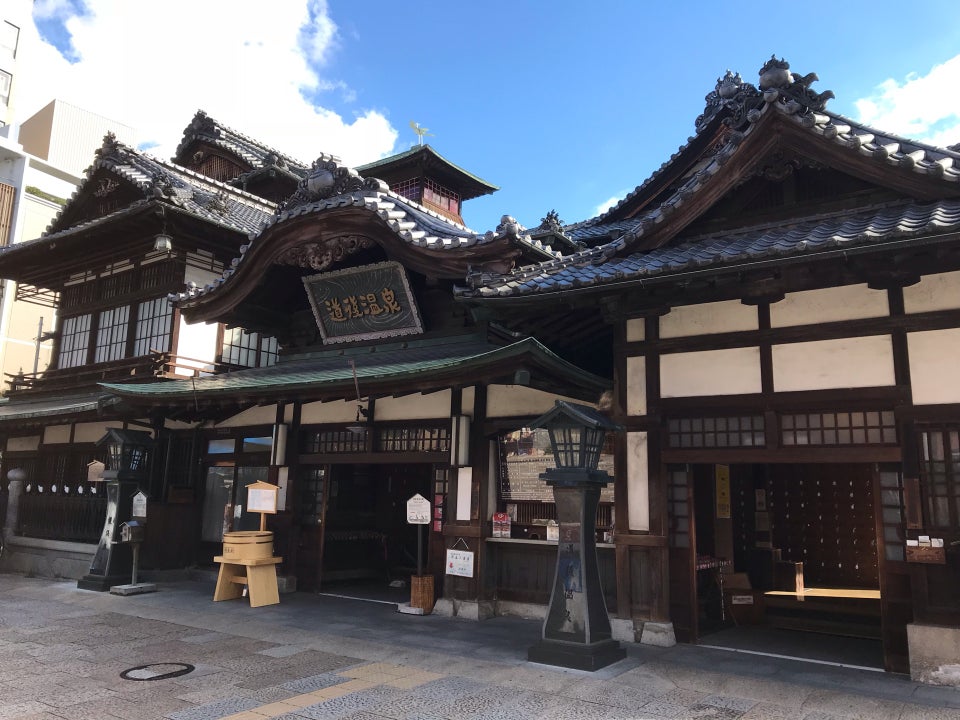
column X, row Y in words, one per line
column 247, row 545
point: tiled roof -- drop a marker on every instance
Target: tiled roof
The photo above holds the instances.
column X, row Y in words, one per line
column 411, row 222
column 172, row 185
column 332, row 370
column 841, row 231
column 256, row 154
column 742, row 107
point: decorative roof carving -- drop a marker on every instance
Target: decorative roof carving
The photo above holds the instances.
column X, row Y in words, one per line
column 321, row 255
column 551, row 223
column 326, row 179
column 741, row 101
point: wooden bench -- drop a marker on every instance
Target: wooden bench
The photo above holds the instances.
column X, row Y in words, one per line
column 258, row 574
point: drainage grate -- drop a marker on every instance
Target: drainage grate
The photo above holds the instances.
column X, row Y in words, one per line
column 157, row 671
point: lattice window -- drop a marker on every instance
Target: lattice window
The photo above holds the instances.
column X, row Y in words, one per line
column 334, row 441
column 409, row 189
column 74, row 341
column 437, row 196
column 248, row 349
column 716, row 432
column 112, row 330
column 891, row 507
column 154, row 321
column 418, row 439
column 839, row 428
column 312, row 485
column 940, row 480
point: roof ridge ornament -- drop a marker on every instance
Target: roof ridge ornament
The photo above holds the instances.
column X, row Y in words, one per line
column 743, row 101
column 328, row 178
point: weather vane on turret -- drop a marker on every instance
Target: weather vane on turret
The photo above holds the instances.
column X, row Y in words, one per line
column 420, row 131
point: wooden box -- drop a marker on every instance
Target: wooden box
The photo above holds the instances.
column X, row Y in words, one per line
column 744, row 607
column 421, row 592
column 247, row 545
column 925, row 554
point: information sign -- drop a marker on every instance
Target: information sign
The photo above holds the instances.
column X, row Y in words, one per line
column 262, row 498
column 418, row 510
column 460, row 563
column 139, row 509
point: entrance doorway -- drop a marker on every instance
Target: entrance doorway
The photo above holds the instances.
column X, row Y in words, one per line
column 357, row 542
column 779, row 552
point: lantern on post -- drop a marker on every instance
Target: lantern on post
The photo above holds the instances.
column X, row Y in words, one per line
column 127, row 469
column 576, row 631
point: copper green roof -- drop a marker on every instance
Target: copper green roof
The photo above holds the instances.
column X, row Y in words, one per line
column 467, row 184
column 419, row 366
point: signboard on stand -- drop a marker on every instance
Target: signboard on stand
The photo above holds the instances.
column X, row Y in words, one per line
column 418, row 510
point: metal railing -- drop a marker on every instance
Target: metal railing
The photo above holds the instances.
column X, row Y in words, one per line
column 73, row 513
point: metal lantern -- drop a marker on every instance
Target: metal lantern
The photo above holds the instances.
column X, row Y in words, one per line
column 577, row 434
column 127, row 452
column 576, row 630
column 127, row 469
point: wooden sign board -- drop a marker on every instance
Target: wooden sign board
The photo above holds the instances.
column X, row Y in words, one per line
column 363, row 303
column 262, row 498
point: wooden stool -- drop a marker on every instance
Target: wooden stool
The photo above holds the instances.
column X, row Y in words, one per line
column 258, row 574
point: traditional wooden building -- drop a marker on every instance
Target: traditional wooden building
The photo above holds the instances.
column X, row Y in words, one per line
column 783, row 294
column 775, row 309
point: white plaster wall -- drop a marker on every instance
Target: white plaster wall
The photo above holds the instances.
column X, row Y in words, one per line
column 933, row 292
column 636, row 330
column 708, row 318
column 319, row 413
column 467, row 399
column 636, row 385
column 933, row 366
column 852, row 302
column 23, row 444
column 178, row 425
column 56, row 434
column 830, row 364
column 638, row 490
column 91, row 432
column 196, row 347
column 264, row 415
column 712, row 372
column 414, row 407
column 515, row 400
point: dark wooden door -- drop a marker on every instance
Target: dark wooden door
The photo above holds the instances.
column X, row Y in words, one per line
column 896, row 608
column 311, row 510
column 682, row 552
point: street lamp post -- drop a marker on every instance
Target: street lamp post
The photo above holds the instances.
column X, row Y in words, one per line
column 127, row 453
column 576, row 631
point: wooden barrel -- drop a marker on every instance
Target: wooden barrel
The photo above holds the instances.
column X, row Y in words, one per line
column 247, row 545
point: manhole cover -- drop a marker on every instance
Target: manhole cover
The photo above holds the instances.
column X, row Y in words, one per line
column 157, row 671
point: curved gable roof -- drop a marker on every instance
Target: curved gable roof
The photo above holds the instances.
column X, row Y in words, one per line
column 741, row 124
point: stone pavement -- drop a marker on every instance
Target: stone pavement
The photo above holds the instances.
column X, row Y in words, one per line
column 63, row 650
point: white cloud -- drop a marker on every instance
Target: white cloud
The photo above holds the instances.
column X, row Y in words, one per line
column 153, row 65
column 607, row 204
column 920, row 107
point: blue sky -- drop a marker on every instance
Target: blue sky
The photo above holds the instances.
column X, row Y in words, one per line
column 564, row 105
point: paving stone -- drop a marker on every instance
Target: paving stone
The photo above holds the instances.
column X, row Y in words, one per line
column 339, row 707
column 215, row 710
column 730, row 703
column 313, row 682
column 712, row 712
